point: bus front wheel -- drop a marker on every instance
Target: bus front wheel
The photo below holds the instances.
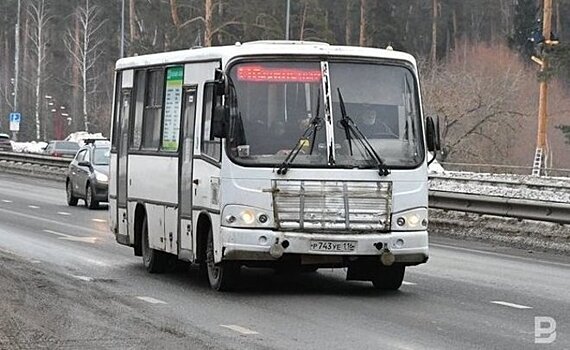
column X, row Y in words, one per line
column 223, row 276
column 389, row 277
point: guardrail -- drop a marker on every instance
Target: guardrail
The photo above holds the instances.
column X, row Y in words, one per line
column 500, row 206
column 35, row 159
column 520, row 208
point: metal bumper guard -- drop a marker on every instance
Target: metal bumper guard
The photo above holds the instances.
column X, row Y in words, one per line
column 245, row 244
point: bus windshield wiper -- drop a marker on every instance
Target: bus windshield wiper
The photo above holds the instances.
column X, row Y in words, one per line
column 351, row 129
column 310, row 131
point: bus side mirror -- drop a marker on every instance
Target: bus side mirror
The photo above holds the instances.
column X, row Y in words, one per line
column 220, row 120
column 433, row 138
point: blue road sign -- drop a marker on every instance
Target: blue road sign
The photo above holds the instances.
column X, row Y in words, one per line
column 15, row 117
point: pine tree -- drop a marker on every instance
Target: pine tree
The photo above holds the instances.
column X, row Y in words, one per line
column 525, row 22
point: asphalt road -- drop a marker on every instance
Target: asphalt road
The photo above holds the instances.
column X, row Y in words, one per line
column 66, row 284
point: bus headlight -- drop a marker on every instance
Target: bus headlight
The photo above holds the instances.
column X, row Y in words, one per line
column 242, row 216
column 410, row 220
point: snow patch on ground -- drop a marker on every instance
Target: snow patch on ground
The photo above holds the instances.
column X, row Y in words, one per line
column 29, row 147
column 79, row 136
column 503, row 185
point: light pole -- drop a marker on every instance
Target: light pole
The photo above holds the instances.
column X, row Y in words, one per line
column 122, row 51
column 287, row 19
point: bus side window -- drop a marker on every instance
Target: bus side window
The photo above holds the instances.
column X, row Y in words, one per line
column 153, row 110
column 137, row 120
column 211, row 146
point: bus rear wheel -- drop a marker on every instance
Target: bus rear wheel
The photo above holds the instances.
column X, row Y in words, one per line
column 388, row 277
column 223, row 276
column 154, row 261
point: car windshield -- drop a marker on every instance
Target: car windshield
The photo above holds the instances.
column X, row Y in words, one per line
column 101, row 156
column 274, row 103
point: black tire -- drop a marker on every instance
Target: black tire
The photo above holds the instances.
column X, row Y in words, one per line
column 309, row 269
column 154, row 260
column 223, row 276
column 389, row 277
column 90, row 202
column 71, row 199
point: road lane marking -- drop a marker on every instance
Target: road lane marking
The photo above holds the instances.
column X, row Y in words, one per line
column 99, row 220
column 7, row 201
column 408, row 283
column 50, row 221
column 239, row 329
column 64, row 213
column 72, row 238
column 516, row 306
column 33, row 207
column 151, row 300
column 84, row 278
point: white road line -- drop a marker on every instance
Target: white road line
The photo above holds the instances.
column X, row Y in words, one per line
column 239, row 329
column 151, row 300
column 6, row 201
column 64, row 213
column 33, row 207
column 99, row 220
column 408, row 283
column 51, row 221
column 72, row 238
column 84, row 278
column 516, row 306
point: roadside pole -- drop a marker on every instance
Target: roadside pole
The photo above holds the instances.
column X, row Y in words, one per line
column 539, row 163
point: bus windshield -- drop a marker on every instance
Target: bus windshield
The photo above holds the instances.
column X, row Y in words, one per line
column 276, row 102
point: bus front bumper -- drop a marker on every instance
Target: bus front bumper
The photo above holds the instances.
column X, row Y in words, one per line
column 409, row 248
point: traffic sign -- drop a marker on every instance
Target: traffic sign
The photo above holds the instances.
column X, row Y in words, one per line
column 15, row 119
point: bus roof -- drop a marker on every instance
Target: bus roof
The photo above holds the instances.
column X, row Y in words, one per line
column 259, row 48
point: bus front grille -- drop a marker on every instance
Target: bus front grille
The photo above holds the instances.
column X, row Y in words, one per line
column 313, row 205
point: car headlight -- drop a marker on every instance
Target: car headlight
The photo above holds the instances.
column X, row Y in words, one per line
column 242, row 216
column 101, row 177
column 410, row 220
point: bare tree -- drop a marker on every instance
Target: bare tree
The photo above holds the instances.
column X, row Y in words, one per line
column 39, row 37
column 89, row 51
column 363, row 24
column 481, row 102
column 433, row 52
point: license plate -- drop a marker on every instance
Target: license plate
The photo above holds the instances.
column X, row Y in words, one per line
column 333, row 246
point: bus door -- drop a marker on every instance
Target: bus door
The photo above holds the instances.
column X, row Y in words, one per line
column 185, row 172
column 195, row 75
column 122, row 153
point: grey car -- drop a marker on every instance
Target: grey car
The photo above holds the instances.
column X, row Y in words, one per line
column 66, row 149
column 5, row 144
column 88, row 175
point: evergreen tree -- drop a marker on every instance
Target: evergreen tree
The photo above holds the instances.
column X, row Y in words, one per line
column 525, row 22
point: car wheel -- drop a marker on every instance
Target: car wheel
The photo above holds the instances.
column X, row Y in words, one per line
column 71, row 199
column 223, row 276
column 154, row 261
column 90, row 202
column 389, row 277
